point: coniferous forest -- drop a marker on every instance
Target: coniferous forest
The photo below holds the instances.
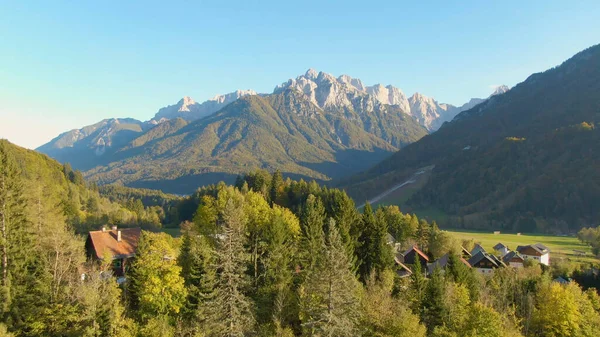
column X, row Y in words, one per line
column 266, row 257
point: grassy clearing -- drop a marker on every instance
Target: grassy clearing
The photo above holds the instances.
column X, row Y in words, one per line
column 560, row 246
column 174, row 232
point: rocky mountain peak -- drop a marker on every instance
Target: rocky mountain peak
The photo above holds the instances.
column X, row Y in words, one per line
column 500, row 90
column 190, row 110
column 311, row 74
column 185, row 103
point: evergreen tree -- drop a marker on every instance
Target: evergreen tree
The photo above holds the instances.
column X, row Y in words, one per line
column 276, row 188
column 312, row 220
column 101, row 311
column 433, row 304
column 196, row 260
column 275, row 297
column 458, row 272
column 341, row 208
column 230, row 312
column 23, row 291
column 329, row 297
column 375, row 255
column 423, row 232
column 417, row 286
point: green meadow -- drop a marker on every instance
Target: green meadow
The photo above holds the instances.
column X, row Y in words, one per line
column 560, row 246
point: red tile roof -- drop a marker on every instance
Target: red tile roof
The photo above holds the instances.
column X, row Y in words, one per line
column 106, row 242
column 418, row 251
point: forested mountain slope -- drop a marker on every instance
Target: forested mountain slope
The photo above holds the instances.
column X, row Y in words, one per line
column 280, row 131
column 56, row 194
column 526, row 160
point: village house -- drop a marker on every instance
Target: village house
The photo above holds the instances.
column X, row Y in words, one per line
column 513, row 259
column 501, row 248
column 485, row 263
column 465, row 253
column 537, row 252
column 442, row 263
column 414, row 252
column 476, row 249
column 401, row 269
column 120, row 245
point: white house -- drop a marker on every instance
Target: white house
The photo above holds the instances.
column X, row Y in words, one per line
column 537, row 252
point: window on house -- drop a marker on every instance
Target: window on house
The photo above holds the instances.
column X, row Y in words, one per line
column 117, row 264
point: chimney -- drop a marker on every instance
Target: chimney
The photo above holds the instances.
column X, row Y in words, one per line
column 118, row 236
column 114, row 227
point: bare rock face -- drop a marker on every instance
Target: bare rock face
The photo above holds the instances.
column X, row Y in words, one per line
column 389, row 95
column 346, row 92
column 190, row 110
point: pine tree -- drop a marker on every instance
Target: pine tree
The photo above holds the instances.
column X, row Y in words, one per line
column 275, row 294
column 276, row 188
column 341, row 208
column 329, row 297
column 423, row 232
column 22, row 276
column 196, row 260
column 463, row 275
column 417, row 286
column 230, row 310
column 374, row 253
column 312, row 220
column 433, row 304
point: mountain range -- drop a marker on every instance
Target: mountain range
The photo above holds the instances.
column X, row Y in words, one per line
column 526, row 160
column 314, row 126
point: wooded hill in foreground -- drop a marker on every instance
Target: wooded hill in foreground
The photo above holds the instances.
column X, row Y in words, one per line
column 273, row 257
column 526, row 160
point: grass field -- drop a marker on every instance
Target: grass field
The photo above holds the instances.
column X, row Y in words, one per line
column 174, row 232
column 560, row 246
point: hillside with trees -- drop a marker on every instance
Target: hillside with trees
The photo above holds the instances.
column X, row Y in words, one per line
column 267, row 257
column 525, row 160
column 284, row 131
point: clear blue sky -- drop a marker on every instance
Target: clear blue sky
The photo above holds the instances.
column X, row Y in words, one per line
column 64, row 65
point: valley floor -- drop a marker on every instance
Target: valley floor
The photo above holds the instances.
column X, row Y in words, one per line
column 560, row 246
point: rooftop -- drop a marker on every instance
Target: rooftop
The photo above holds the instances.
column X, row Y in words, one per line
column 106, row 242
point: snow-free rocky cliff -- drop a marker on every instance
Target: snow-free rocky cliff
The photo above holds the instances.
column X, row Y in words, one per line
column 327, row 92
column 190, row 110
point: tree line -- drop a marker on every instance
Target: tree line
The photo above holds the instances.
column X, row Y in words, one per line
column 267, row 257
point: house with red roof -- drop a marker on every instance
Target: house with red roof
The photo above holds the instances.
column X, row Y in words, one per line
column 120, row 245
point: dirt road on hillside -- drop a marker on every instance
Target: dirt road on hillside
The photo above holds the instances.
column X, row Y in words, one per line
column 410, row 180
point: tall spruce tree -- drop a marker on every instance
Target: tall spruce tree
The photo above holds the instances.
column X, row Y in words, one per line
column 22, row 275
column 196, row 259
column 276, row 188
column 374, row 253
column 329, row 297
column 433, row 304
column 312, row 220
column 417, row 286
column 230, row 312
column 342, row 209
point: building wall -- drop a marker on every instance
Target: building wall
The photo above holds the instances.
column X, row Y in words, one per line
column 485, row 271
column 544, row 259
column 516, row 264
